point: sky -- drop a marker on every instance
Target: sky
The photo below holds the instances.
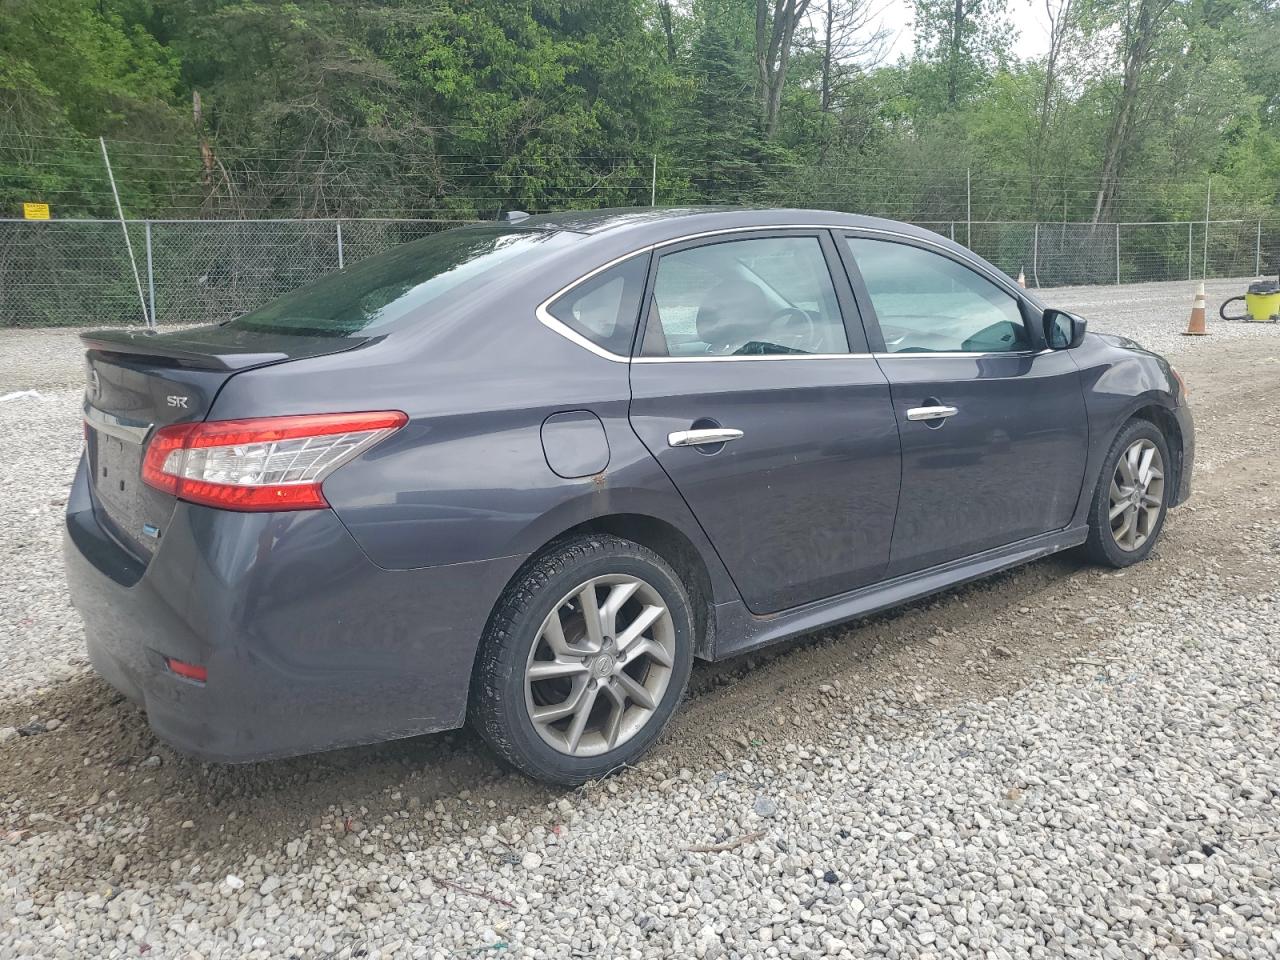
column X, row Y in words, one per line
column 1029, row 18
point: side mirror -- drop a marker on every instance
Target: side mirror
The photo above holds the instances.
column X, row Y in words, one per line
column 1062, row 330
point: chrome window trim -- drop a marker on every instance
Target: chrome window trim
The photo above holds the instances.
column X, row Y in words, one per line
column 1009, row 287
column 755, row 356
column 131, row 431
column 960, row 354
column 543, row 312
column 547, row 320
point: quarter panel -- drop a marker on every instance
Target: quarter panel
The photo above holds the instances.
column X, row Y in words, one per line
column 471, row 487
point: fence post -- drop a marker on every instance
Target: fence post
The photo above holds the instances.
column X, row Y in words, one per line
column 968, row 209
column 1035, row 254
column 1208, row 195
column 1190, row 243
column 653, row 183
column 1257, row 255
column 151, row 276
column 1117, row 253
column 341, row 262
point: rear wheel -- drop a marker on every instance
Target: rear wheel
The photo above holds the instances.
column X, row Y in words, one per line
column 1130, row 503
column 584, row 660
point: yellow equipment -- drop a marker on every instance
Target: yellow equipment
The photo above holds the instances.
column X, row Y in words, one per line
column 1261, row 303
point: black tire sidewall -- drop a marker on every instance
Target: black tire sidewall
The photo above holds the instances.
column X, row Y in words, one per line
column 1101, row 544
column 503, row 719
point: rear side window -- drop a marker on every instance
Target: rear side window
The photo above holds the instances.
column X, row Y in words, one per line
column 384, row 289
column 604, row 308
column 762, row 296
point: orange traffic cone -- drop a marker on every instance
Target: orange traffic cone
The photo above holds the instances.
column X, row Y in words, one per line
column 1022, row 279
column 1196, row 327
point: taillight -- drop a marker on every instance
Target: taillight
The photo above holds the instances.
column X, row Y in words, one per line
column 272, row 463
column 191, row 671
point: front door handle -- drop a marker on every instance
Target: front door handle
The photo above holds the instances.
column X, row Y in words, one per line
column 696, row 438
column 931, row 413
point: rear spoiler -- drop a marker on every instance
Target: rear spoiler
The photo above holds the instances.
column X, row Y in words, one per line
column 184, row 352
column 217, row 347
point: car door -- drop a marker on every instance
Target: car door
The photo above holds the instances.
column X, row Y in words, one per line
column 994, row 429
column 764, row 407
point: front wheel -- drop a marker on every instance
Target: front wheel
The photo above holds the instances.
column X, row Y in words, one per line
column 584, row 660
column 1132, row 498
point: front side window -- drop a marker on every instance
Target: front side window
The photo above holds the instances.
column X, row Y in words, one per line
column 604, row 308
column 764, row 296
column 928, row 303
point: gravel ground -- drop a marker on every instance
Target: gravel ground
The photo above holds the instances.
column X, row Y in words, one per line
column 40, row 441
column 1058, row 761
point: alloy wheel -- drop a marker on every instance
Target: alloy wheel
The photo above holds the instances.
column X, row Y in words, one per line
column 600, row 665
column 1137, row 495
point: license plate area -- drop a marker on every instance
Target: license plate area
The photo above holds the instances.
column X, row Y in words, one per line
column 117, row 483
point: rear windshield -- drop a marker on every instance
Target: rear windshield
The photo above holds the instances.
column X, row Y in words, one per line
column 375, row 293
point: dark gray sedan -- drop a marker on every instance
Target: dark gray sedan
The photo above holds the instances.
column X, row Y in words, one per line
column 526, row 472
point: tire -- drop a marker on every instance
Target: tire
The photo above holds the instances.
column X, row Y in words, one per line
column 1131, row 536
column 624, row 688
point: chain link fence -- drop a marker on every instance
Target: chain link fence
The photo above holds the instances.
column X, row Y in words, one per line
column 77, row 272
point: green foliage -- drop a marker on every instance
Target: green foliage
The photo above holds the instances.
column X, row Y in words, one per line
column 67, row 65
column 67, row 68
column 464, row 108
column 962, row 42
column 715, row 138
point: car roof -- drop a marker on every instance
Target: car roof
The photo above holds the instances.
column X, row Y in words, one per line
column 621, row 230
column 657, row 224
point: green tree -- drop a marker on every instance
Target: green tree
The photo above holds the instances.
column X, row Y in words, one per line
column 965, row 40
column 68, row 69
column 716, row 138
column 461, row 108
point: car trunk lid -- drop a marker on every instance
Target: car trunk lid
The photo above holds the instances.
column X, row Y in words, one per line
column 138, row 382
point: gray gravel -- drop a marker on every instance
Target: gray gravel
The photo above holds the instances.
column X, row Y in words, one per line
column 1156, row 314
column 40, row 360
column 1116, row 798
column 40, row 441
column 1125, row 808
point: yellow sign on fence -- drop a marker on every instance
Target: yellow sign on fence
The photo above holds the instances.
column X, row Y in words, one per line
column 35, row 211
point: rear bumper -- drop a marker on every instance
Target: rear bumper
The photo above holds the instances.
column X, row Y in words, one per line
column 308, row 644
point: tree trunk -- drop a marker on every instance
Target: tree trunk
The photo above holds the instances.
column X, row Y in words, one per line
column 206, row 152
column 1059, row 26
column 1117, row 142
column 774, row 36
column 763, row 37
column 953, row 59
column 668, row 28
column 1140, row 36
column 827, row 54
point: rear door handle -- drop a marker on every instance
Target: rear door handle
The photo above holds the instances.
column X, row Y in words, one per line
column 931, row 413
column 696, row 438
